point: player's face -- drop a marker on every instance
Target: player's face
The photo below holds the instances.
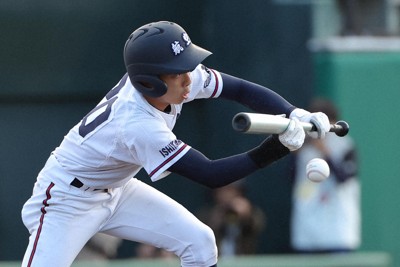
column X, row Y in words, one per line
column 178, row 90
column 178, row 87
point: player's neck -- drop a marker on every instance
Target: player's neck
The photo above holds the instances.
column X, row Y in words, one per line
column 160, row 105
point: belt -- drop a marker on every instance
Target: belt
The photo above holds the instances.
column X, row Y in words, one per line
column 78, row 184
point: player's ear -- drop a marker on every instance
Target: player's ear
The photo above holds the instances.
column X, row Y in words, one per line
column 149, row 85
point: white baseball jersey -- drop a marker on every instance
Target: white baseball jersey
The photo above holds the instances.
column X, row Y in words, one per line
column 124, row 133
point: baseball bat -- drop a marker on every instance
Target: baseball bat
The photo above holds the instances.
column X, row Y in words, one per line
column 257, row 123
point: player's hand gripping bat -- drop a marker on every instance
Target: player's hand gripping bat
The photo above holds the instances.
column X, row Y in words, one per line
column 257, row 123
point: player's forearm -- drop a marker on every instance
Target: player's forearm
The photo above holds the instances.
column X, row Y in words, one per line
column 254, row 96
column 217, row 173
column 213, row 173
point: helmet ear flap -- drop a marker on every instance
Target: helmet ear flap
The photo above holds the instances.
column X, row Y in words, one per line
column 149, row 85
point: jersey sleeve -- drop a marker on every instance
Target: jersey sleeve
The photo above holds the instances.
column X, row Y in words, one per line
column 156, row 148
column 206, row 83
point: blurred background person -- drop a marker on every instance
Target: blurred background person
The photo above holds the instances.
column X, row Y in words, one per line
column 145, row 251
column 236, row 221
column 100, row 247
column 326, row 215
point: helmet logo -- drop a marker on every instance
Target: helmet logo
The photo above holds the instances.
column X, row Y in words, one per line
column 186, row 38
column 177, row 48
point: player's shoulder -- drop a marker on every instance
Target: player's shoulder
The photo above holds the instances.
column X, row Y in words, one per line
column 202, row 73
column 206, row 82
column 138, row 111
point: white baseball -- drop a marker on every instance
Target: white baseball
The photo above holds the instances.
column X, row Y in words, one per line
column 317, row 170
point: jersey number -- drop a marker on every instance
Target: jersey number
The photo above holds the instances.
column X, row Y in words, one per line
column 101, row 112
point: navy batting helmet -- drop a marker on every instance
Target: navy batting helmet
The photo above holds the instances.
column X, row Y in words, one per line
column 159, row 48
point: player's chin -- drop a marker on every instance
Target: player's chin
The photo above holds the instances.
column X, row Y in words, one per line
column 180, row 99
column 185, row 96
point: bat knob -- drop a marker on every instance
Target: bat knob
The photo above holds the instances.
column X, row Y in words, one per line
column 341, row 128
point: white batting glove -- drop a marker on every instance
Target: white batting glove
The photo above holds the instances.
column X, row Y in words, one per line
column 293, row 136
column 319, row 119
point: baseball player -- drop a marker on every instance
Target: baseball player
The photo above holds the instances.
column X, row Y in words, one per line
column 87, row 184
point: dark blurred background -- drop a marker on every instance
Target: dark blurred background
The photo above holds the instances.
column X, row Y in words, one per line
column 58, row 59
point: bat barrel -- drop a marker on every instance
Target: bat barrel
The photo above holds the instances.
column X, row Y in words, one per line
column 257, row 123
column 241, row 122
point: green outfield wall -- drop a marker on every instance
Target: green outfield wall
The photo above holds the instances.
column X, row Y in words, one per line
column 364, row 79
